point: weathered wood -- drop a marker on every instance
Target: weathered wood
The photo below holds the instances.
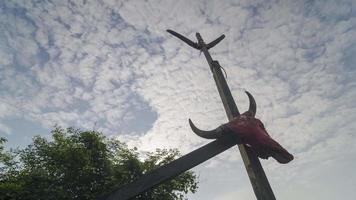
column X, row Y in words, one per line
column 173, row 168
column 256, row 174
column 261, row 187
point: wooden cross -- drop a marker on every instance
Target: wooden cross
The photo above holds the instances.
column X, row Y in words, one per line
column 258, row 179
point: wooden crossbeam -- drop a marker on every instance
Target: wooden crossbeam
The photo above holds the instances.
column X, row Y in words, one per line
column 173, row 169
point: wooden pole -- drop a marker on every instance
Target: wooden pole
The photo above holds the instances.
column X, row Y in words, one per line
column 258, row 179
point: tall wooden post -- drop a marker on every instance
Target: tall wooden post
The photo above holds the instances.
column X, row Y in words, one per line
column 260, row 184
column 261, row 187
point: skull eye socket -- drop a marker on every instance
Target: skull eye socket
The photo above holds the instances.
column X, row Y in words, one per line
column 261, row 126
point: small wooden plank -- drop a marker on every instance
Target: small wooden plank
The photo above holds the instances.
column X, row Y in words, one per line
column 173, row 168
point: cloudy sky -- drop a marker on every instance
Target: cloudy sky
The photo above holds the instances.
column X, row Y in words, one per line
column 110, row 66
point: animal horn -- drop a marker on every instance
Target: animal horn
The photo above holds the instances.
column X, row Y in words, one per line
column 213, row 134
column 252, row 108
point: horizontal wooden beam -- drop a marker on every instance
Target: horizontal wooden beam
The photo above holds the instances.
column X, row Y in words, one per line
column 173, row 168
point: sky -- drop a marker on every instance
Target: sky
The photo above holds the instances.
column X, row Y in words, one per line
column 111, row 66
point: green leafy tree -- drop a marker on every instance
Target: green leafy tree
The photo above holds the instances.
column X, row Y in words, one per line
column 83, row 165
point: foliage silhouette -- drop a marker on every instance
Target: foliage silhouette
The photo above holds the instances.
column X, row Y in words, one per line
column 86, row 165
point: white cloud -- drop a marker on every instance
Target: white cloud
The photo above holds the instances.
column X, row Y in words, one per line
column 111, row 65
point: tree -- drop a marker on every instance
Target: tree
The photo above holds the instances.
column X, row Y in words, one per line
column 84, row 165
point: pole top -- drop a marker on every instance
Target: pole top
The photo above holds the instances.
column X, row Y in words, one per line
column 197, row 45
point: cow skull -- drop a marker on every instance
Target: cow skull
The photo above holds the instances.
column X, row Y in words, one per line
column 250, row 131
